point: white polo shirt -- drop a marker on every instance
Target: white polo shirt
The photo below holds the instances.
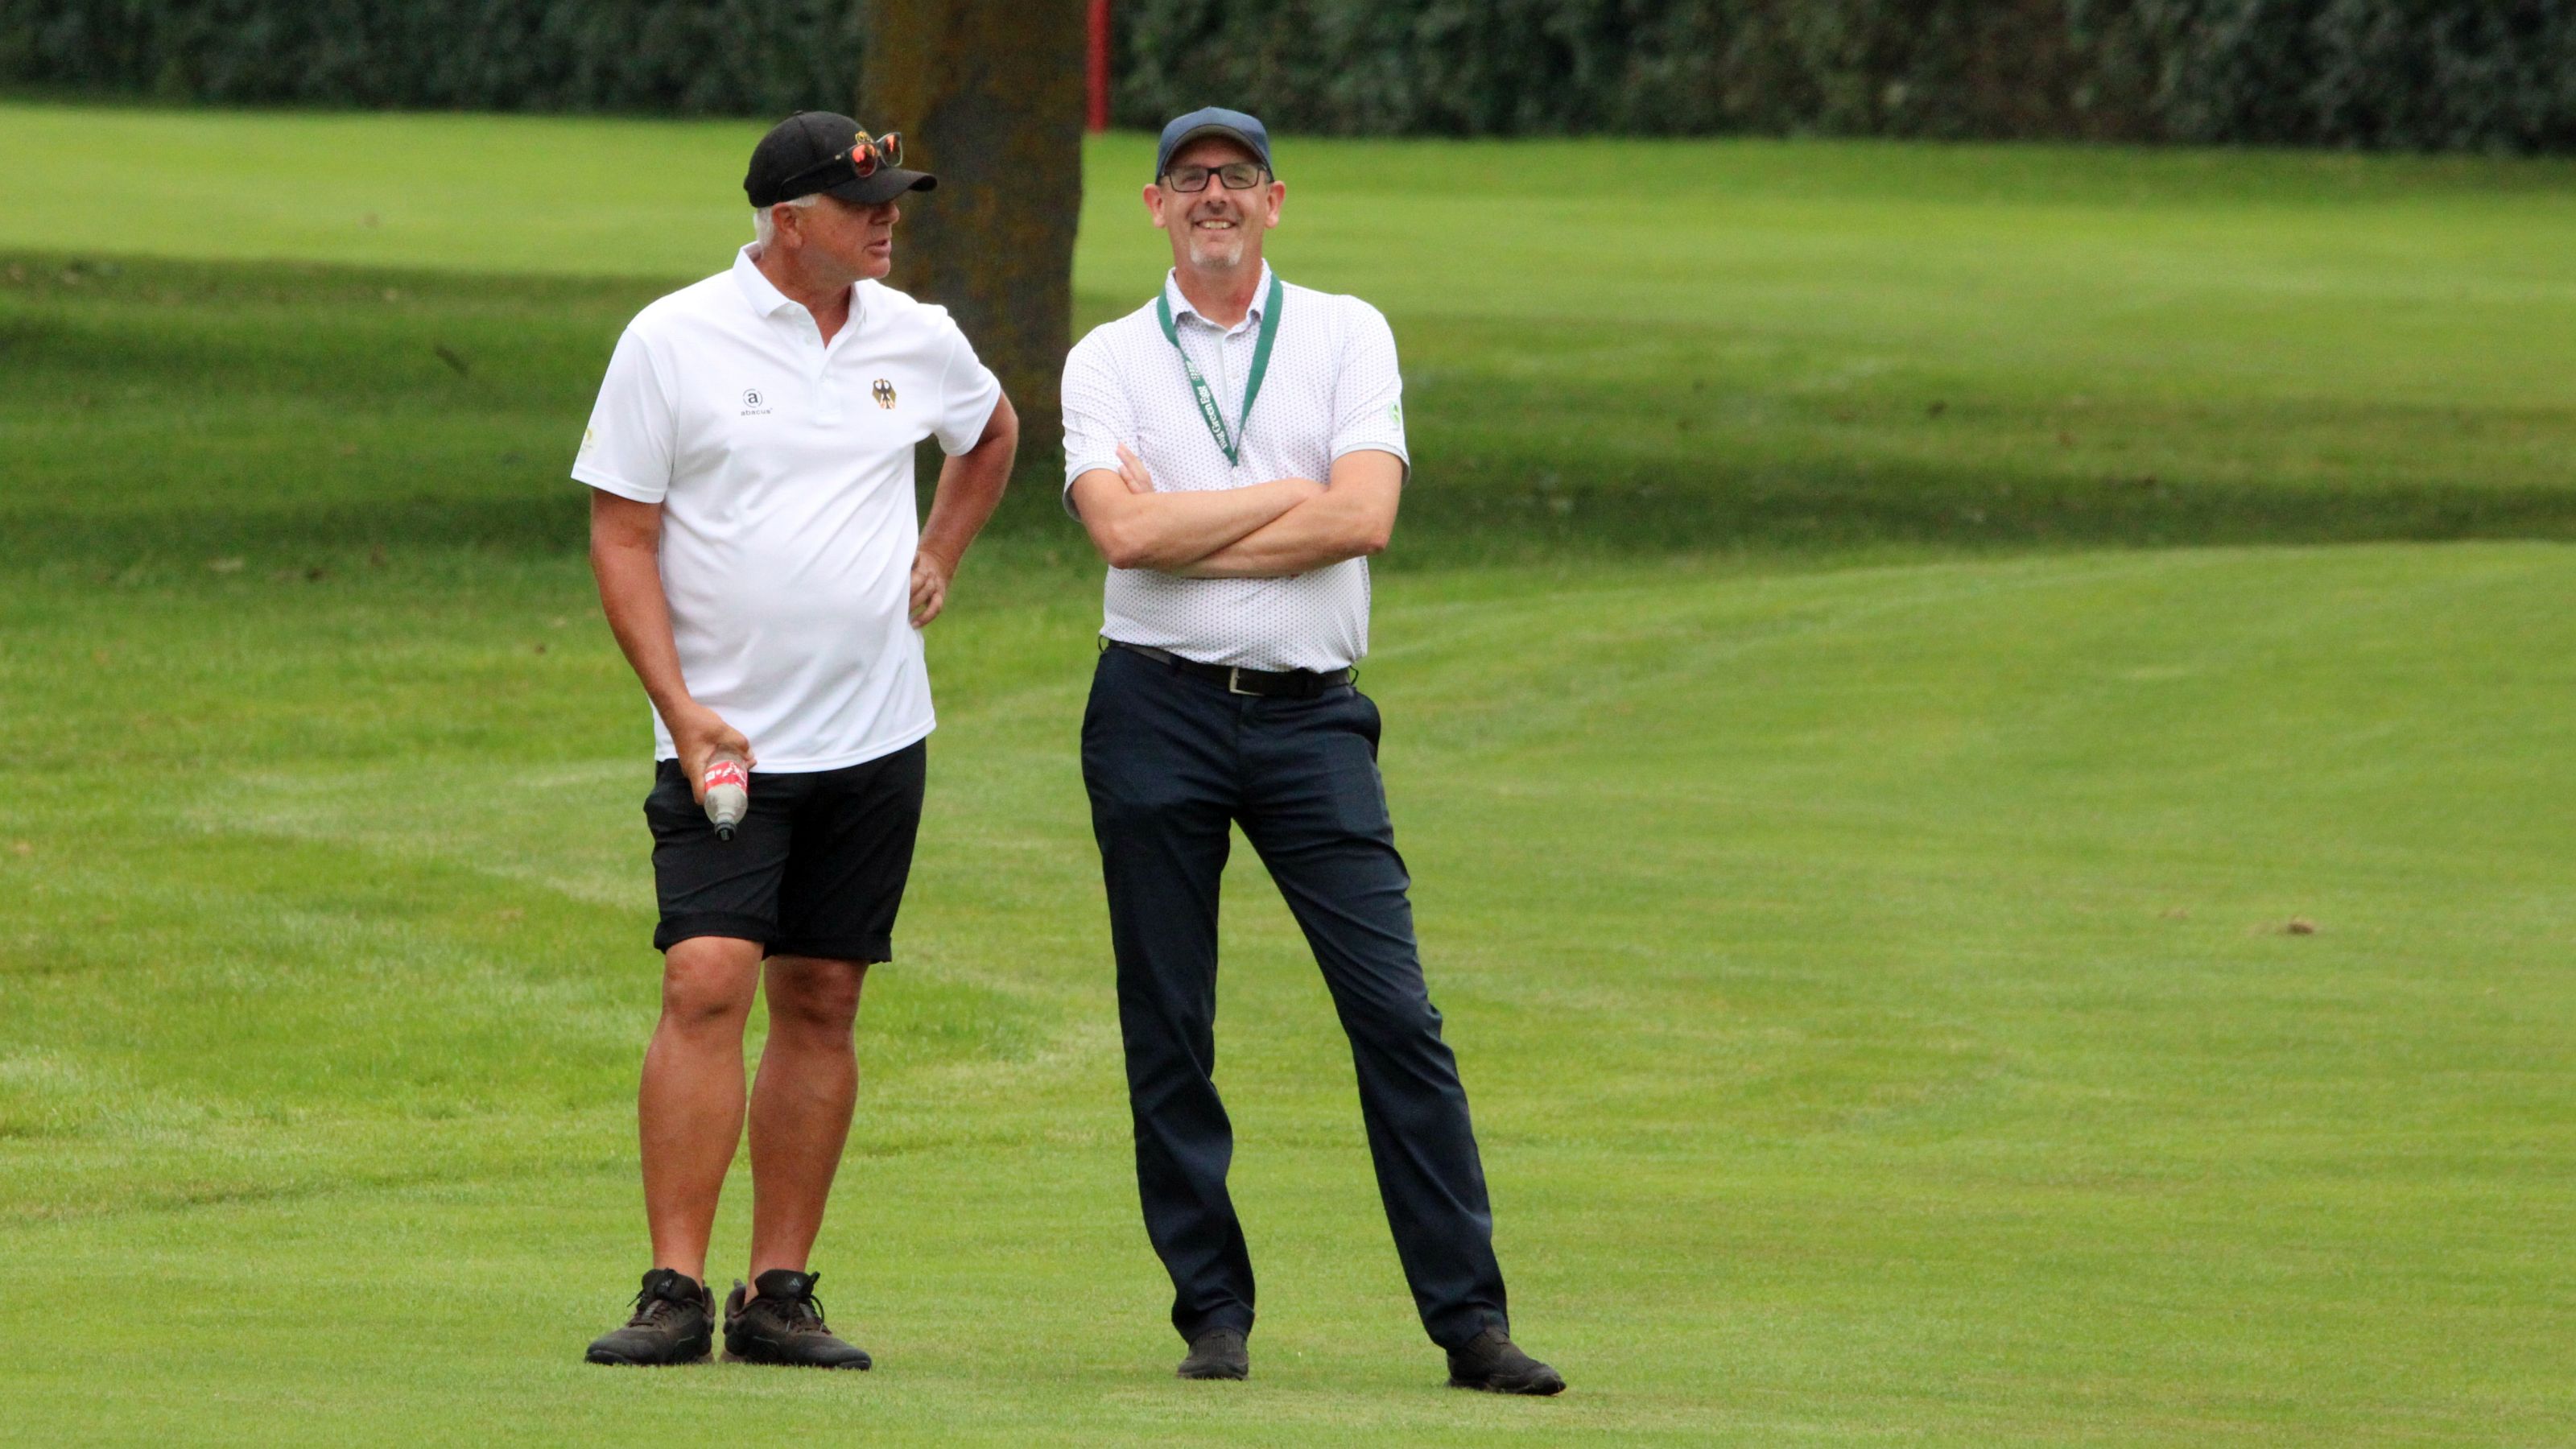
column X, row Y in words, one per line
column 1332, row 388
column 784, row 471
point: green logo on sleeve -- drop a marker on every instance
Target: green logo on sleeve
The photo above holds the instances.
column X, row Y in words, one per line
column 1395, row 412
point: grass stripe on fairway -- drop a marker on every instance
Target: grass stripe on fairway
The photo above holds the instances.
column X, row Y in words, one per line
column 176, row 412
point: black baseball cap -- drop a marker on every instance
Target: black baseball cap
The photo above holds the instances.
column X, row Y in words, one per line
column 1214, row 121
column 810, row 152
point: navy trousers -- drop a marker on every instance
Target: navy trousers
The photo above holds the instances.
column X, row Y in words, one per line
column 1170, row 760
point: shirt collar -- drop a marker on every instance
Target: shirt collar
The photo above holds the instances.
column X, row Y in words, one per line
column 763, row 295
column 1181, row 305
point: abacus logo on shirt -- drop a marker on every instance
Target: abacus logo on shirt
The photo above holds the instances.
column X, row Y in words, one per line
column 753, row 404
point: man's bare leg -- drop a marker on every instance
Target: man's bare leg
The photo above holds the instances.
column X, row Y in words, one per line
column 690, row 1107
column 800, row 1104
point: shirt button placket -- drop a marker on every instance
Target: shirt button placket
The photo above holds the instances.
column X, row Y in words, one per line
column 827, row 399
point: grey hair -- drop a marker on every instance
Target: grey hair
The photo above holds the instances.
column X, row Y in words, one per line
column 763, row 227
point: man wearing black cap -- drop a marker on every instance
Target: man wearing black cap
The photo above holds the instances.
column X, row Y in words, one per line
column 753, row 530
column 1272, row 419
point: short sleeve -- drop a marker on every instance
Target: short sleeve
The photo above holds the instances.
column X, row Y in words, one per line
column 1368, row 393
column 968, row 392
column 626, row 449
column 1097, row 414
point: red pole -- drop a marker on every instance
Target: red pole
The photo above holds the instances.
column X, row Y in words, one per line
column 1099, row 66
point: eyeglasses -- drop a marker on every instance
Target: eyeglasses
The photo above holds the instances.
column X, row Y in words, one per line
column 1237, row 176
column 864, row 158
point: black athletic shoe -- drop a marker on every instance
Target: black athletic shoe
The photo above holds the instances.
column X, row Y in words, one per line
column 1217, row 1353
column 674, row 1322
column 783, row 1324
column 1492, row 1362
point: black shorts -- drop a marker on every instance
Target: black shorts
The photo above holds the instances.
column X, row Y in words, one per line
column 815, row 869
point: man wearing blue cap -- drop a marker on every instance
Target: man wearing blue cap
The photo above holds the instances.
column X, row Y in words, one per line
column 1235, row 450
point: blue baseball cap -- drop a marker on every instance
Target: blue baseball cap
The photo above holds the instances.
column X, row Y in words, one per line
column 1214, row 121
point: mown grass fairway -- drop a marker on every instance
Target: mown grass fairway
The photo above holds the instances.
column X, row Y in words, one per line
column 1856, row 873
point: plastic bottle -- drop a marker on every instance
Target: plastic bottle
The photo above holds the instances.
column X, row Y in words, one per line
column 728, row 793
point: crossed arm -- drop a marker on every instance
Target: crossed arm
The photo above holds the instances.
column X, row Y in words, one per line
column 1270, row 530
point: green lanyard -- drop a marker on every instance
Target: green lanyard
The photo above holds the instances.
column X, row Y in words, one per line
column 1227, row 443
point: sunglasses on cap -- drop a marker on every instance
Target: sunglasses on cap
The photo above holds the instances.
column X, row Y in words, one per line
column 865, row 158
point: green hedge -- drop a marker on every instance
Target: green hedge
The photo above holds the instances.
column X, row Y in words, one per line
column 2415, row 74
column 2425, row 74
column 2421, row 74
column 734, row 57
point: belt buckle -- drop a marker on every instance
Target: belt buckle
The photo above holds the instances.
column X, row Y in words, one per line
column 1234, row 683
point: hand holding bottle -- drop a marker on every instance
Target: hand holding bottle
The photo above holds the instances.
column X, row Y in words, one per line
column 726, row 790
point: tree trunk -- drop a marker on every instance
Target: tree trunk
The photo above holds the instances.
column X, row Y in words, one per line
column 989, row 96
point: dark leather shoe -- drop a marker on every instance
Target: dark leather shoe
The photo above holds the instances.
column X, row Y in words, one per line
column 674, row 1322
column 1492, row 1362
column 783, row 1324
column 1217, row 1353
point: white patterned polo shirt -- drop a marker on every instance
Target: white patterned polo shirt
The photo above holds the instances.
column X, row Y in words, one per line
column 1332, row 388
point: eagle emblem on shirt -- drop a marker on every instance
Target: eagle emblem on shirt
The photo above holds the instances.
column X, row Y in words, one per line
column 884, row 391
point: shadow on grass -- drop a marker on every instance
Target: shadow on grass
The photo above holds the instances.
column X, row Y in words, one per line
column 1441, row 525
column 176, row 413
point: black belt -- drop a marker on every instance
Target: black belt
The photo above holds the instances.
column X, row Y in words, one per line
column 1267, row 683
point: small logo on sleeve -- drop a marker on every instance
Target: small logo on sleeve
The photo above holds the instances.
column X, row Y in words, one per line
column 754, row 402
column 1395, row 412
column 884, row 391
